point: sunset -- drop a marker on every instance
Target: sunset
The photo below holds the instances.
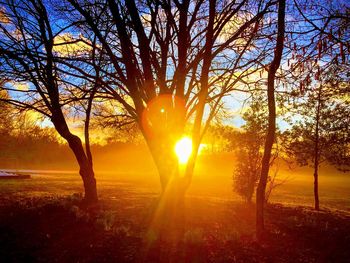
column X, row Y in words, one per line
column 174, row 131
column 183, row 149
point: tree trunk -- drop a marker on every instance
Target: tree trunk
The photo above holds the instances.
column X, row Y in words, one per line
column 260, row 192
column 164, row 159
column 85, row 166
column 317, row 150
column 85, row 169
column 169, row 215
column 317, row 202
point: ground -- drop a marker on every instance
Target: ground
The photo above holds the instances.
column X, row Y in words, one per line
column 42, row 220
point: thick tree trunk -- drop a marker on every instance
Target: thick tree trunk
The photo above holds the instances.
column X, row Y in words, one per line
column 90, row 189
column 85, row 166
column 85, row 169
column 165, row 160
column 172, row 178
column 260, row 192
column 169, row 215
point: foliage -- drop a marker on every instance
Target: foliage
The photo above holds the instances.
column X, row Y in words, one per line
column 248, row 147
column 327, row 106
column 6, row 120
column 221, row 138
column 24, row 143
column 249, row 151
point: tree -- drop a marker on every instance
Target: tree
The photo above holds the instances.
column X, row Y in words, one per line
column 318, row 47
column 27, row 48
column 249, row 150
column 6, row 120
column 328, row 24
column 322, row 133
column 270, row 137
column 171, row 63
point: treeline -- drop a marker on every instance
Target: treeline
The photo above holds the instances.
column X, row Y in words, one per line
column 24, row 144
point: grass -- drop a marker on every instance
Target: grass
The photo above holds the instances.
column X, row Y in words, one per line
column 42, row 219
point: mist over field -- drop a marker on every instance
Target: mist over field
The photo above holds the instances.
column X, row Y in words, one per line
column 133, row 165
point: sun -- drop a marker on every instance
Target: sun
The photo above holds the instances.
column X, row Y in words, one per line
column 183, row 149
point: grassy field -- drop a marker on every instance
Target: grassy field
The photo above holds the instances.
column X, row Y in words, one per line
column 212, row 180
column 42, row 220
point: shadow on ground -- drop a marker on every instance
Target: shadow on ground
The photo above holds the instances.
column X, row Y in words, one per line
column 59, row 229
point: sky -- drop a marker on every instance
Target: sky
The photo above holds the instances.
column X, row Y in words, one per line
column 234, row 102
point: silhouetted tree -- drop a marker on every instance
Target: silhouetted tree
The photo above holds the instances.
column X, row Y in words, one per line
column 249, row 150
column 322, row 132
column 221, row 138
column 318, row 45
column 6, row 120
column 27, row 54
column 270, row 137
column 169, row 62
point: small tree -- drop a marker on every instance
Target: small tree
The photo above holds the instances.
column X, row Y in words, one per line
column 320, row 45
column 249, row 151
column 323, row 133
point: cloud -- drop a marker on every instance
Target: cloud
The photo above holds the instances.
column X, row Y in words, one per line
column 3, row 17
column 232, row 26
column 22, row 86
column 67, row 44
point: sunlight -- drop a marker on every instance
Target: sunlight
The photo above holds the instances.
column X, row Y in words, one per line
column 202, row 147
column 183, row 149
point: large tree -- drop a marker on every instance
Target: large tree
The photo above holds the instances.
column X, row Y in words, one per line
column 28, row 56
column 170, row 65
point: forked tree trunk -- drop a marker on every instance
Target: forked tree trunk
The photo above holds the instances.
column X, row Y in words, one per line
column 270, row 137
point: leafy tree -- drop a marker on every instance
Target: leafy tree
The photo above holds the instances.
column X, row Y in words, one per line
column 249, row 151
column 323, row 132
column 221, row 138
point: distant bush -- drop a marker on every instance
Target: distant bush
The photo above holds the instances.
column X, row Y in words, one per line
column 249, row 151
column 247, row 171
